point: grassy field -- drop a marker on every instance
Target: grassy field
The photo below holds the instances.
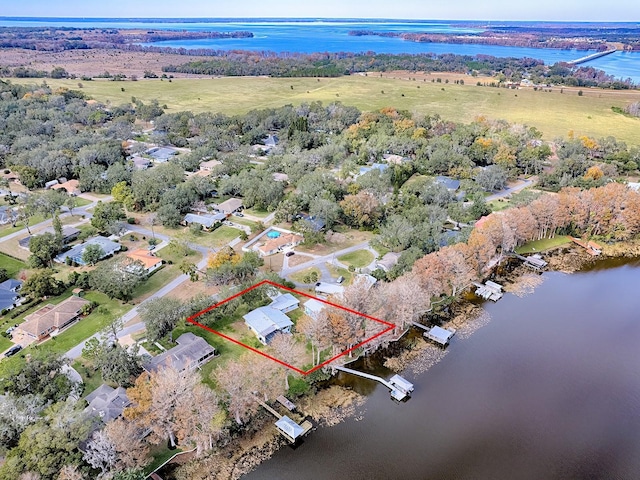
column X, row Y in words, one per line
column 11, row 265
column 359, row 258
column 300, row 276
column 8, row 229
column 544, row 244
column 554, row 113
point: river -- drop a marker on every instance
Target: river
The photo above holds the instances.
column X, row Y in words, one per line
column 333, row 36
column 548, row 389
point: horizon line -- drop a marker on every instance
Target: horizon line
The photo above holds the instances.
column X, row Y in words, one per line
column 312, row 18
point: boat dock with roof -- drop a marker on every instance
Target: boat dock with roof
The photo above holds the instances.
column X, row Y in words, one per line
column 489, row 291
column 400, row 387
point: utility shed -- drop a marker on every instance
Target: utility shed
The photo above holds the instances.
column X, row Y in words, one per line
column 290, row 429
column 439, row 335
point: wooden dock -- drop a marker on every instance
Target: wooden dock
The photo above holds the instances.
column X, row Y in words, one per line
column 286, row 403
column 489, row 291
column 591, row 247
column 440, row 335
column 532, row 261
column 288, row 428
column 399, row 387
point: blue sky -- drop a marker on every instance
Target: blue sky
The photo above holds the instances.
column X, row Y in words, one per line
column 558, row 10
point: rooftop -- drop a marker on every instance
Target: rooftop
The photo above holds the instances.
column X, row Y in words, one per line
column 448, row 182
column 75, row 253
column 284, row 301
column 267, row 320
column 230, row 206
column 107, row 402
column 329, row 288
column 207, row 221
column 289, row 427
column 190, row 352
column 51, row 317
column 143, row 256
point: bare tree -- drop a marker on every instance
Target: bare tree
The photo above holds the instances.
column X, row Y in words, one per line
column 70, row 472
column 100, row 452
column 288, row 350
column 200, row 420
column 130, row 449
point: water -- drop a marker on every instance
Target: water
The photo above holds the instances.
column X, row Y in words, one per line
column 549, row 389
column 332, row 36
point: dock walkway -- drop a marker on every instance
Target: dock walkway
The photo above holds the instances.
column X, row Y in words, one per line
column 489, row 291
column 399, row 387
column 532, row 261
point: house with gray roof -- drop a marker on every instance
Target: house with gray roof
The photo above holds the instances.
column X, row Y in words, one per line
column 285, row 303
column 325, row 288
column 161, row 154
column 190, row 353
column 313, row 307
column 107, row 402
column 76, row 252
column 9, row 296
column 449, row 183
column 266, row 322
column 229, row 206
column 69, row 234
column 208, row 222
column 388, row 261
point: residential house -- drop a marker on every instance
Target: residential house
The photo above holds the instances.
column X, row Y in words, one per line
column 275, row 245
column 208, row 222
column 285, row 303
column 209, row 165
column 266, row 322
column 72, row 187
column 7, row 214
column 325, row 288
column 191, row 352
column 149, row 261
column 395, row 159
column 9, row 296
column 50, row 184
column 50, row 319
column 369, row 280
column 381, row 167
column 69, row 234
column 107, row 402
column 76, row 252
column 388, row 261
column 161, row 154
column 449, row 183
column 229, row 206
column 140, row 163
column 271, row 140
column 316, row 223
column 313, row 307
column 280, row 177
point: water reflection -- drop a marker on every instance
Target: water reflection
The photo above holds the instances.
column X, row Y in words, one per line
column 550, row 388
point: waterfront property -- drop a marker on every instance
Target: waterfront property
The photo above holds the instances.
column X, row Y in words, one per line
column 266, row 322
column 591, row 247
column 440, row 335
column 51, row 319
column 489, row 291
column 190, row 353
column 399, row 387
column 532, row 261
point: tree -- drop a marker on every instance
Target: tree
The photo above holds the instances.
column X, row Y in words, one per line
column 70, row 472
column 200, row 420
column 492, row 178
column 42, row 284
column 49, row 444
column 161, row 316
column 131, row 451
column 100, row 452
column 43, row 249
column 122, row 193
column 104, row 214
column 117, row 364
column 41, row 375
column 117, row 278
column 17, row 412
column 92, row 254
column 361, row 209
column 314, row 328
column 288, row 350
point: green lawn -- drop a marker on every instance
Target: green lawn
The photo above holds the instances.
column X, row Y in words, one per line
column 160, row 454
column 8, row 229
column 5, row 343
column 254, row 212
column 359, row 258
column 553, row 113
column 155, row 282
column 91, row 379
column 340, row 272
column 300, row 276
column 11, row 265
column 544, row 244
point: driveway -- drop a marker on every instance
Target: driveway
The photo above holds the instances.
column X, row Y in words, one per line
column 320, row 261
column 508, row 191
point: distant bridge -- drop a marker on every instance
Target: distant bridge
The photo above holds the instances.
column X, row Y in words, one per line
column 593, row 56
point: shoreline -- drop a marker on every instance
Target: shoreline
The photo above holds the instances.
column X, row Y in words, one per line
column 332, row 404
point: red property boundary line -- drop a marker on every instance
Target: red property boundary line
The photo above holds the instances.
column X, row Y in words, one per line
column 192, row 320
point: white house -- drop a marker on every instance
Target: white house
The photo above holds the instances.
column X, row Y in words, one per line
column 313, row 307
column 329, row 289
column 266, row 322
column 285, row 303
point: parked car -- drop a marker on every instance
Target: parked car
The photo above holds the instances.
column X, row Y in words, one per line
column 238, row 214
column 340, row 279
column 13, row 350
column 10, row 329
column 288, row 254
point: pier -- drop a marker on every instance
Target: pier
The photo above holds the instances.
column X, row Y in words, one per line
column 593, row 56
column 532, row 261
column 289, row 429
column 399, row 387
column 591, row 247
column 440, row 335
column 489, row 291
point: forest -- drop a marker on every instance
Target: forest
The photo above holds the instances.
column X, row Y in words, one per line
column 332, row 156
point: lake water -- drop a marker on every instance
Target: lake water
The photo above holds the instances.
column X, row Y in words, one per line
column 548, row 389
column 332, row 36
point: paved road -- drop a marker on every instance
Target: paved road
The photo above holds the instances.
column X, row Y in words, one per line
column 509, row 191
